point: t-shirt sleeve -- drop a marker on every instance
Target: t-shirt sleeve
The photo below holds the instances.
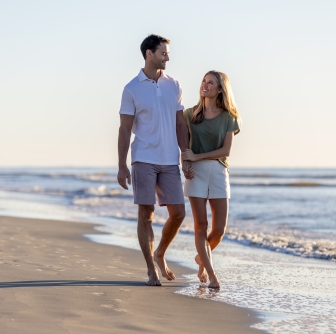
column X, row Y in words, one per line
column 179, row 103
column 127, row 106
column 234, row 124
column 185, row 115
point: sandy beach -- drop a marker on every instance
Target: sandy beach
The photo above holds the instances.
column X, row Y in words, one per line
column 54, row 280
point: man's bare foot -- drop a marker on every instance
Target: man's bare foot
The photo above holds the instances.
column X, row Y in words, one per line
column 153, row 278
column 165, row 271
column 214, row 284
column 202, row 274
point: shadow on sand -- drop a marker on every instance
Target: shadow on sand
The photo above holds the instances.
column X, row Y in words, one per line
column 29, row 284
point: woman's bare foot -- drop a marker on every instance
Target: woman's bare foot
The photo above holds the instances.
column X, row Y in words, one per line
column 165, row 271
column 202, row 274
column 214, row 284
column 153, row 278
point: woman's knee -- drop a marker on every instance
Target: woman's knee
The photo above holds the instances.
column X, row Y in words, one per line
column 218, row 233
column 201, row 227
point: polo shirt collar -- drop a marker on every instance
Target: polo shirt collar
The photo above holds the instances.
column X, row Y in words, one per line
column 142, row 76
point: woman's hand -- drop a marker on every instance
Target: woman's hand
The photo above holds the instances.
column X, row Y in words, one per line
column 189, row 155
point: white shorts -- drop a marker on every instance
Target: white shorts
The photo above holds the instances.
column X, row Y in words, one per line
column 211, row 180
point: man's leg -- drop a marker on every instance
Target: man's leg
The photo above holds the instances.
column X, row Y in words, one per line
column 169, row 231
column 146, row 240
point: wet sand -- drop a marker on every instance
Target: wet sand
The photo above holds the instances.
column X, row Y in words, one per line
column 54, row 280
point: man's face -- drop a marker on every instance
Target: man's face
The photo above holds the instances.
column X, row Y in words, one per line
column 160, row 56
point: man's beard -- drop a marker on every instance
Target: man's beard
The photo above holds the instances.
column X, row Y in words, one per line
column 160, row 65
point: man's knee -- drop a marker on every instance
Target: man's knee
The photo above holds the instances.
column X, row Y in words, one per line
column 178, row 213
column 146, row 213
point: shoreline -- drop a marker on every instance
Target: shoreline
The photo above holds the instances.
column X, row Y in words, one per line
column 72, row 284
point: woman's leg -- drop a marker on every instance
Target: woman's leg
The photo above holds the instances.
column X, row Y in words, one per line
column 198, row 206
column 219, row 210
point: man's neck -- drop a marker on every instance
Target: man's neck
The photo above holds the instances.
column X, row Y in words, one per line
column 152, row 73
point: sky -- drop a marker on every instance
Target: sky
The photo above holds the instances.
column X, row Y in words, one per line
column 65, row 63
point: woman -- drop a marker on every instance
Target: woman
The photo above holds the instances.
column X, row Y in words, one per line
column 212, row 124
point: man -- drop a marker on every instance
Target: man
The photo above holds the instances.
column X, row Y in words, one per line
column 151, row 108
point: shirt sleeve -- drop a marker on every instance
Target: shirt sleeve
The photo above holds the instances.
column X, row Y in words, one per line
column 127, row 103
column 179, row 103
column 234, row 124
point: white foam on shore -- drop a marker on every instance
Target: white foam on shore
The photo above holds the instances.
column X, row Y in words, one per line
column 289, row 244
column 301, row 291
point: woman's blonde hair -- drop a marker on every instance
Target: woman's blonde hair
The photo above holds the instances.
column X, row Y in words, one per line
column 225, row 99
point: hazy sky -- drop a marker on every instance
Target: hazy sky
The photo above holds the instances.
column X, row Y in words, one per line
column 64, row 64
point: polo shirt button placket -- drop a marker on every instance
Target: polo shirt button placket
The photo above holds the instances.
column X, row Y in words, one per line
column 158, row 91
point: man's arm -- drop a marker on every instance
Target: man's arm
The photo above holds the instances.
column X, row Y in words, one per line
column 183, row 142
column 126, row 123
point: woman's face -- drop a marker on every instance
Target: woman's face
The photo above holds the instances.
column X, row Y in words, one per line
column 209, row 87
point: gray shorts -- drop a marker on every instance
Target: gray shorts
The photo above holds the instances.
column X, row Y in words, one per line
column 165, row 180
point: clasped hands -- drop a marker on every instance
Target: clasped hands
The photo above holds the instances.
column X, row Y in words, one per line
column 187, row 167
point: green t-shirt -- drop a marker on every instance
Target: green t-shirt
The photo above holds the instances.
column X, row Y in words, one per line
column 209, row 135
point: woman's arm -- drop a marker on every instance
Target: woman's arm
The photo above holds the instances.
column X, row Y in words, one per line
column 222, row 152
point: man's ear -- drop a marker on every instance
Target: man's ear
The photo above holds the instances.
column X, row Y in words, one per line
column 149, row 54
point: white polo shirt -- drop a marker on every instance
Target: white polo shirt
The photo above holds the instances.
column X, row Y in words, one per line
column 154, row 106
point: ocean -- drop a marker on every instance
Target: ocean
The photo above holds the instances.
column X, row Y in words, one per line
column 278, row 255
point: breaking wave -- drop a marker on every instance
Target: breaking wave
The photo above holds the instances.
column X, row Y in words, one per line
column 318, row 249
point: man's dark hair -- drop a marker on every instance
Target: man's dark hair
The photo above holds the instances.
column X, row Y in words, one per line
column 152, row 42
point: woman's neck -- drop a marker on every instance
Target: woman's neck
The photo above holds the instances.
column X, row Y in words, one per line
column 210, row 105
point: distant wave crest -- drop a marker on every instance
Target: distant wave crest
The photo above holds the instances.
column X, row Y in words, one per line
column 318, row 249
column 94, row 177
column 282, row 184
column 331, row 175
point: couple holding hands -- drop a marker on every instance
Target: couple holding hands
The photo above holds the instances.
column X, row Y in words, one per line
column 151, row 108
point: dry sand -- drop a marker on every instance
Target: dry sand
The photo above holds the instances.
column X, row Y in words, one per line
column 54, row 280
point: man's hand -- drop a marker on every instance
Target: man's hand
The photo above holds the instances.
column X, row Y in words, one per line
column 124, row 174
column 189, row 155
column 188, row 169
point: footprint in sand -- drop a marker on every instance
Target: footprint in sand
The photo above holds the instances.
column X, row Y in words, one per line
column 113, row 307
column 107, row 305
column 99, row 293
column 122, row 289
